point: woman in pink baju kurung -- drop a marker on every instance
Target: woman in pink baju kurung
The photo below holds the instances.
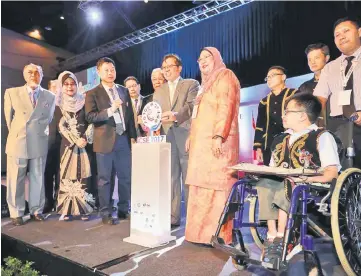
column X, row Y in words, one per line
column 213, row 147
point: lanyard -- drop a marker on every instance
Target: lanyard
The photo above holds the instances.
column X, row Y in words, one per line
column 350, row 71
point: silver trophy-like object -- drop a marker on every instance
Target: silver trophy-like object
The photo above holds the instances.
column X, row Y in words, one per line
column 151, row 117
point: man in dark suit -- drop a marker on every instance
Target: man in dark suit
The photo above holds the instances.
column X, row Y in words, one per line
column 51, row 174
column 138, row 102
column 109, row 108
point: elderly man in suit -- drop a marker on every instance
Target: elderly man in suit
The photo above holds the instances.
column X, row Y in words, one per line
column 138, row 102
column 28, row 111
column 176, row 98
column 109, row 108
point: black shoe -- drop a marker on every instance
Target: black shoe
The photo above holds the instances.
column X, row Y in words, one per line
column 123, row 215
column 17, row 221
column 274, row 251
column 108, row 219
column 38, row 217
column 48, row 208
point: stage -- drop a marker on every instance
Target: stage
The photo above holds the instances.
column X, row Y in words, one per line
column 91, row 248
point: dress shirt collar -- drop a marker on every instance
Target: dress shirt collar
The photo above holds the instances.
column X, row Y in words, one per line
column 30, row 90
column 306, row 130
column 107, row 88
column 175, row 82
column 357, row 53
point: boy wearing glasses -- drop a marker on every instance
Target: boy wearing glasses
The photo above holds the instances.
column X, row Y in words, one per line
column 270, row 110
column 176, row 98
column 305, row 145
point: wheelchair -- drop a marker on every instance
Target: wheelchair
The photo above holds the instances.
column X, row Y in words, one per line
column 338, row 202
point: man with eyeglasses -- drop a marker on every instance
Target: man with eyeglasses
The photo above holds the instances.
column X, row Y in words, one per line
column 138, row 102
column 270, row 110
column 340, row 81
column 176, row 99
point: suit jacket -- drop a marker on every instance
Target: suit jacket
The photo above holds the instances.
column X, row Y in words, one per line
column 96, row 104
column 54, row 134
column 184, row 94
column 28, row 133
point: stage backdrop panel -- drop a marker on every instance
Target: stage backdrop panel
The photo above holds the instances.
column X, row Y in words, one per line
column 248, row 111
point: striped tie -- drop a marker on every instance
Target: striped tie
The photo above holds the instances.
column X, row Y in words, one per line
column 119, row 129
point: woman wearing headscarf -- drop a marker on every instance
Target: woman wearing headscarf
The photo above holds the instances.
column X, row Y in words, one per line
column 213, row 146
column 75, row 171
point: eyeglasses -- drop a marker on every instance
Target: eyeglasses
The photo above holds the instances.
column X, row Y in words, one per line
column 204, row 58
column 168, row 67
column 286, row 111
column 271, row 76
column 132, row 86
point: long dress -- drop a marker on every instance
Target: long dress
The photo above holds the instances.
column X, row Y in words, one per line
column 75, row 169
column 208, row 177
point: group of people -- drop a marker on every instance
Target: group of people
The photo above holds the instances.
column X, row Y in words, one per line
column 308, row 127
column 200, row 122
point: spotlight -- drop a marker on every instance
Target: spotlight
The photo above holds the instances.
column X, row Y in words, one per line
column 146, row 1
column 62, row 17
column 35, row 34
column 94, row 16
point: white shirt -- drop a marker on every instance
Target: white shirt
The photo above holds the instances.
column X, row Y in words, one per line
column 136, row 106
column 172, row 87
column 330, row 83
column 109, row 110
column 31, row 91
column 327, row 147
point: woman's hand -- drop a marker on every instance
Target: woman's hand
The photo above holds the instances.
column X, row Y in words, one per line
column 217, row 147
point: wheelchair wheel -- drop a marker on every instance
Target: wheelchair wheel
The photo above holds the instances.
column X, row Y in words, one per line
column 259, row 233
column 346, row 220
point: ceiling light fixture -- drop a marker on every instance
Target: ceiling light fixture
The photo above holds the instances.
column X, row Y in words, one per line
column 146, row 1
column 62, row 17
column 94, row 16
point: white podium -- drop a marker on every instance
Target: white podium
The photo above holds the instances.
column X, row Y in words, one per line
column 150, row 222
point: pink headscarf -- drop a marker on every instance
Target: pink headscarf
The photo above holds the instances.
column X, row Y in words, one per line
column 219, row 66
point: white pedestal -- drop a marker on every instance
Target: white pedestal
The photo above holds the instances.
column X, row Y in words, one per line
column 150, row 222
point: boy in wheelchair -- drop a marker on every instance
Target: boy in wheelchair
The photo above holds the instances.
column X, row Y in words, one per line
column 302, row 145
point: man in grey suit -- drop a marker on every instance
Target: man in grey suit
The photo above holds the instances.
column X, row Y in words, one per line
column 28, row 111
column 176, row 98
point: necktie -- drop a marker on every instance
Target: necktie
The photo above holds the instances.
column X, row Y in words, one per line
column 348, row 110
column 33, row 98
column 171, row 91
column 119, row 129
column 136, row 105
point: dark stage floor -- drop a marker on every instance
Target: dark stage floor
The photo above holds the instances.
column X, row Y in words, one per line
column 94, row 245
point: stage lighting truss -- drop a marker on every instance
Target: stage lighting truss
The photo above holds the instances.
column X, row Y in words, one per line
column 87, row 4
column 169, row 25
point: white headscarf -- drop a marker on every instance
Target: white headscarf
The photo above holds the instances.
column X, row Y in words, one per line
column 65, row 102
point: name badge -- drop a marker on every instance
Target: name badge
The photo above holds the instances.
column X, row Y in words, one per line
column 344, row 97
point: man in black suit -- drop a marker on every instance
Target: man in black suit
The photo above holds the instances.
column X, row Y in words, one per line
column 138, row 102
column 109, row 108
column 51, row 173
